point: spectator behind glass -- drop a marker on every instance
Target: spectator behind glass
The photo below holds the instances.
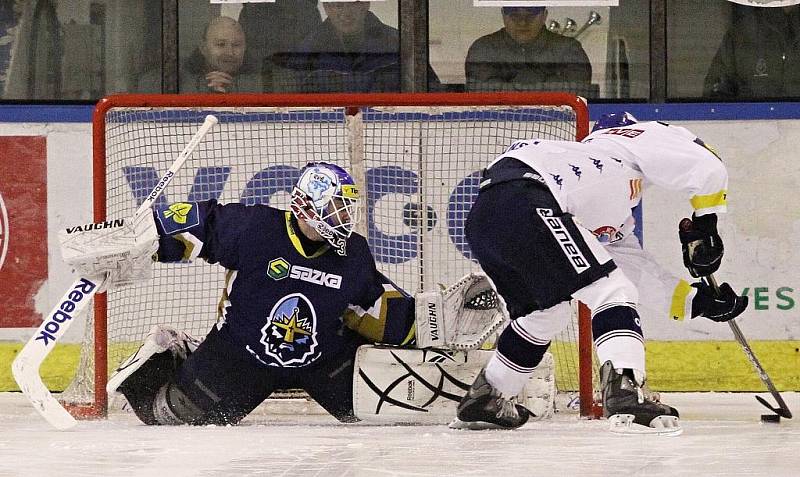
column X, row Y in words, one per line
column 278, row 27
column 352, row 51
column 759, row 56
column 524, row 55
column 218, row 64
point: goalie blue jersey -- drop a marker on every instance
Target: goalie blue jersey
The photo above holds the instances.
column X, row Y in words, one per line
column 285, row 305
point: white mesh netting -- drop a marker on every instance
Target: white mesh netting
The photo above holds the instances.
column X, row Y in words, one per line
column 419, row 167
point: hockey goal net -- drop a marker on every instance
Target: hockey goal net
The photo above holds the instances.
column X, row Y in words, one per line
column 418, row 156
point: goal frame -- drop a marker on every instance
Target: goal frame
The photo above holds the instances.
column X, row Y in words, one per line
column 351, row 102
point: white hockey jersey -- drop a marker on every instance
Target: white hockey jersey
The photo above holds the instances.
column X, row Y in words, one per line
column 600, row 179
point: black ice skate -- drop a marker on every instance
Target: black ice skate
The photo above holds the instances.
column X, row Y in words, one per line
column 629, row 411
column 483, row 407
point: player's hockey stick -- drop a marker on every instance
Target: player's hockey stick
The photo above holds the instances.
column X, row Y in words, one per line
column 25, row 367
column 782, row 409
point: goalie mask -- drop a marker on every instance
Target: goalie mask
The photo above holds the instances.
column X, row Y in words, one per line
column 326, row 197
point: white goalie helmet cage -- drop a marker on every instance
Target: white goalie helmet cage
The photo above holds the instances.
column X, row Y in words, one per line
column 327, row 198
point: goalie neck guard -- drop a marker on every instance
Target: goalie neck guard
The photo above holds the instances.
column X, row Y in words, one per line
column 326, row 197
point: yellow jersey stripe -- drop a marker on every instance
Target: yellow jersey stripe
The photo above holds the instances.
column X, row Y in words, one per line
column 373, row 326
column 188, row 247
column 710, row 200
column 296, row 240
column 412, row 333
column 677, row 308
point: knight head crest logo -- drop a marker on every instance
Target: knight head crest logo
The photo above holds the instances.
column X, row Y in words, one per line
column 290, row 334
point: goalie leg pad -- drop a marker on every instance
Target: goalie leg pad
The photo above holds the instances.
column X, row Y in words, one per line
column 160, row 339
column 140, row 377
column 396, row 385
column 172, row 407
column 141, row 388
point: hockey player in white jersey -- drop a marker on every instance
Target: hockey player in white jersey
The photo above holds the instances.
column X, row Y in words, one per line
column 537, row 227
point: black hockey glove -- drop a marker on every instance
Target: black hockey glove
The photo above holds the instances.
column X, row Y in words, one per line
column 702, row 245
column 720, row 308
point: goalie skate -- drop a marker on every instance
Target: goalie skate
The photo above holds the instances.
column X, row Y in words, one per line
column 629, row 411
column 161, row 338
column 483, row 407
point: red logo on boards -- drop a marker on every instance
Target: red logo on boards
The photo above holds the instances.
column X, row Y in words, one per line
column 23, row 228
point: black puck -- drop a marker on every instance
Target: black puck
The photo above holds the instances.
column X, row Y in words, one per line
column 770, row 418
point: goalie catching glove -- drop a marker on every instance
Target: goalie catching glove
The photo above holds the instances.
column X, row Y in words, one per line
column 121, row 248
column 461, row 317
column 702, row 245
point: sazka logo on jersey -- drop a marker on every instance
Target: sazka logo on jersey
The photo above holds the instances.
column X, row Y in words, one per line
column 290, row 335
column 279, row 268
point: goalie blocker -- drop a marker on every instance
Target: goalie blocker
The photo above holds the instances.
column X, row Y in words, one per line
column 121, row 248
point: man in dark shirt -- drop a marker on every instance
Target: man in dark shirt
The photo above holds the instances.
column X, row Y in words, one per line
column 353, row 51
column 278, row 26
column 759, row 57
column 524, row 55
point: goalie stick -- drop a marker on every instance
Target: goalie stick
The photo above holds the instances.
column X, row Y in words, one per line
column 72, row 305
column 782, row 409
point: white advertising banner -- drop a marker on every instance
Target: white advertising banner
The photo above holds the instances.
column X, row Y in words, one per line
column 761, row 230
column 68, row 188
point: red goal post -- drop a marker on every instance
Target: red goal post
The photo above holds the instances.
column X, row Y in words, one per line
column 412, row 153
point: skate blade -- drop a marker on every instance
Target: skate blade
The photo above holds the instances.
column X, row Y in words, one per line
column 473, row 425
column 668, row 426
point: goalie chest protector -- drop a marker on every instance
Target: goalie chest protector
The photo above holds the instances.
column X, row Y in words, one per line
column 283, row 307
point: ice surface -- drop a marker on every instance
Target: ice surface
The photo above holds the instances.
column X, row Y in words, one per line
column 722, row 436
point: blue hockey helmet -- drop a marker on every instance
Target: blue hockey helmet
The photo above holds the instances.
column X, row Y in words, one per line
column 614, row 120
column 326, row 197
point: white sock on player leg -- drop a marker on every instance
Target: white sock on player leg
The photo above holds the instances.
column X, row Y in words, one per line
column 506, row 377
column 624, row 352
